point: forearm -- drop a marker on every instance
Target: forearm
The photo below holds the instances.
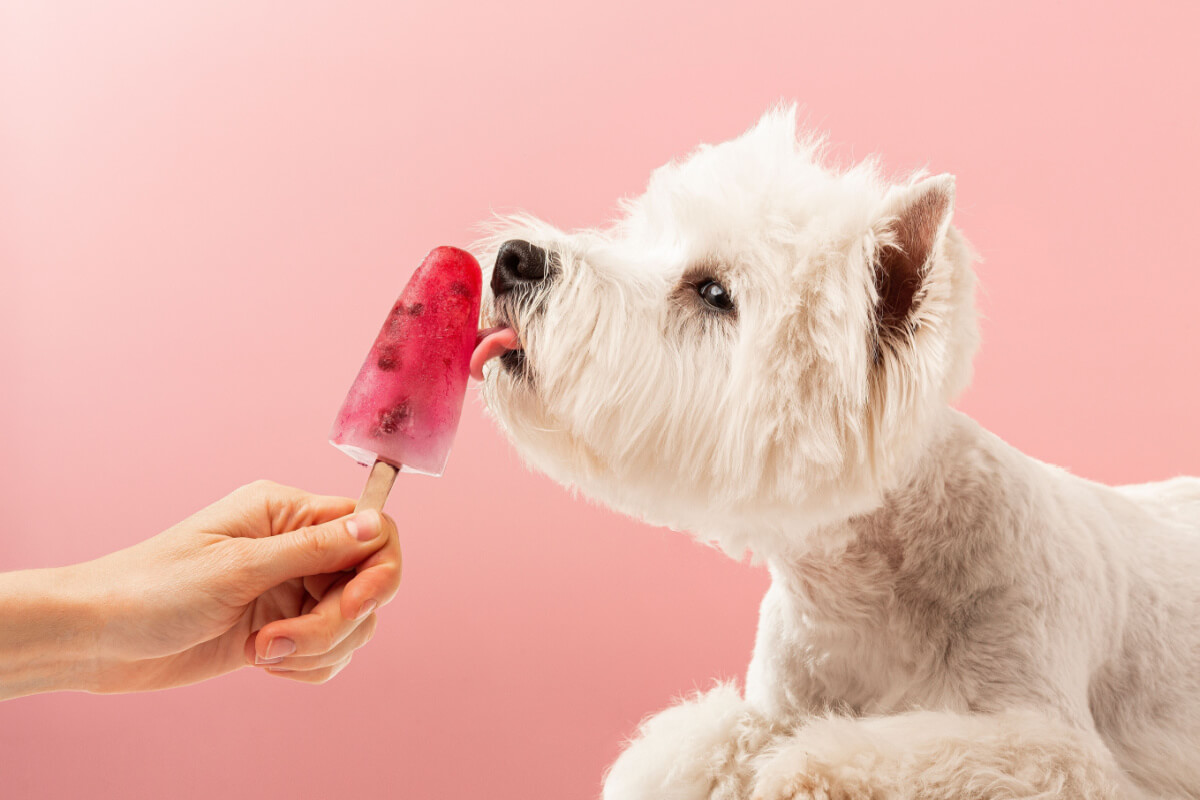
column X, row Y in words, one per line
column 48, row 632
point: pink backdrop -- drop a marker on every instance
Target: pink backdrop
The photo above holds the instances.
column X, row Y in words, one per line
column 206, row 209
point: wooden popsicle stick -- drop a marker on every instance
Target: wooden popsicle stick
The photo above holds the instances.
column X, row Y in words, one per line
column 379, row 483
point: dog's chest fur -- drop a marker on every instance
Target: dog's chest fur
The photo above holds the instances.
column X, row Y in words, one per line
column 950, row 596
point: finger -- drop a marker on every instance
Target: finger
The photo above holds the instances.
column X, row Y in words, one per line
column 287, row 508
column 358, row 637
column 308, row 605
column 378, row 577
column 249, row 652
column 317, row 549
column 311, row 634
column 318, row 585
column 300, row 509
column 310, row 676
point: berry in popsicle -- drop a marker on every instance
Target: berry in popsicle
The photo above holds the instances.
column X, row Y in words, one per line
column 404, row 406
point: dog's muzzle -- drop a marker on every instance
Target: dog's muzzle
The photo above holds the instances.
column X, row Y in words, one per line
column 520, row 265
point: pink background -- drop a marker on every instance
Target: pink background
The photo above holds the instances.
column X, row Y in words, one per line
column 207, row 208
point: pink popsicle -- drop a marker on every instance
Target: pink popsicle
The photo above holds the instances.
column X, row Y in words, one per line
column 404, row 406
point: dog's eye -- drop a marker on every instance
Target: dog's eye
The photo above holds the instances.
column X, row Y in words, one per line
column 715, row 295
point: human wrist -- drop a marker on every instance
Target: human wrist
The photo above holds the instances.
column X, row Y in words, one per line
column 49, row 630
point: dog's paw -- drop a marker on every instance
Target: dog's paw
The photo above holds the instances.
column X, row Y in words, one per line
column 797, row 774
column 817, row 783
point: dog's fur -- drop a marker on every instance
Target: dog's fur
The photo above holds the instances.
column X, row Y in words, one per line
column 948, row 618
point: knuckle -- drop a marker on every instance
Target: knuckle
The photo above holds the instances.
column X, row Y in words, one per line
column 259, row 488
column 318, row 544
column 319, row 641
column 236, row 555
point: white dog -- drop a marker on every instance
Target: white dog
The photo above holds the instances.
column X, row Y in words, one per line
column 762, row 353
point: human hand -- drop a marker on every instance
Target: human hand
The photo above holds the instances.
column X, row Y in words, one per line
column 269, row 575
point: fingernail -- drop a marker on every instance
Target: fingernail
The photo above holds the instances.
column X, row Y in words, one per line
column 366, row 609
column 278, row 648
column 279, row 669
column 364, row 526
column 259, row 661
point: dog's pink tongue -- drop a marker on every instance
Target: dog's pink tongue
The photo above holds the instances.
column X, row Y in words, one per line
column 492, row 342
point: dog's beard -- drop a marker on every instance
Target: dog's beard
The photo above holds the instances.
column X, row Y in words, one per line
column 536, row 392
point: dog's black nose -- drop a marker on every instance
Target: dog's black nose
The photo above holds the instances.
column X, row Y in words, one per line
column 517, row 262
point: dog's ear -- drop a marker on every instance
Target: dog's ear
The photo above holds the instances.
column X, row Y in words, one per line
column 914, row 222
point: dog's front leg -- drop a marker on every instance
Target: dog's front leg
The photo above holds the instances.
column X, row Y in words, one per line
column 700, row 749
column 939, row 756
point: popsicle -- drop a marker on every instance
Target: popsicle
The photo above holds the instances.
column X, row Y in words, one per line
column 402, row 411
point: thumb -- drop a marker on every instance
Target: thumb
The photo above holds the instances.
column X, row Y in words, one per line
column 317, row 549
